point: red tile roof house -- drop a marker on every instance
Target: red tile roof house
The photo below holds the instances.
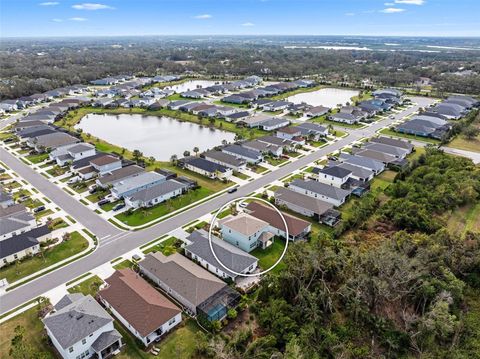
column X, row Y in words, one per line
column 143, row 310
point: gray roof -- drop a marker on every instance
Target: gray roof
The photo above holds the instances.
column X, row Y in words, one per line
column 298, row 199
column 435, row 120
column 376, row 155
column 391, row 150
column 136, row 181
column 55, row 139
column 308, row 127
column 241, row 151
column 231, row 256
column 274, row 122
column 119, row 174
column 418, row 125
column 81, row 147
column 393, row 142
column 22, row 241
column 206, row 165
column 157, row 190
column 105, row 340
column 225, row 158
column 364, row 162
column 338, row 172
column 359, row 172
column 260, row 146
column 67, row 300
column 77, row 320
column 321, row 188
column 275, row 140
column 189, row 280
column 15, row 221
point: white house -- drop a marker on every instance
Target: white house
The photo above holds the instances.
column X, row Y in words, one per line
column 106, row 164
column 72, row 153
column 334, row 176
column 156, row 194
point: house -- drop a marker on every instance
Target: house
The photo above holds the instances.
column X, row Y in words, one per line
column 393, row 142
column 255, row 120
column 387, row 93
column 106, row 163
column 86, row 173
column 237, row 116
column 301, row 203
column 297, row 228
column 111, row 178
column 21, row 125
column 226, row 160
column 72, row 153
column 274, row 123
column 251, row 156
column 277, row 141
column 375, row 155
column 264, row 148
column 375, row 166
column 423, row 128
column 397, row 152
column 155, row 194
column 35, row 131
column 246, row 232
column 236, row 99
column 6, row 199
column 22, row 245
column 192, row 94
column 450, row 110
column 344, row 118
column 9, row 105
column 51, row 141
column 232, row 257
column 357, row 173
column 317, row 111
column 175, row 105
column 200, row 292
column 133, row 184
column 206, row 168
column 142, row 309
column 313, row 130
column 276, row 106
column 14, row 218
column 80, row 328
column 333, row 176
column 325, row 192
column 288, row 133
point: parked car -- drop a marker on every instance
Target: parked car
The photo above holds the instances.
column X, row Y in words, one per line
column 92, row 189
column 39, row 209
column 103, row 201
column 22, row 198
column 118, row 207
column 332, row 158
column 233, row 190
column 73, row 180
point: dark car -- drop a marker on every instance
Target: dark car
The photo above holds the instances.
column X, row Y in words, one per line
column 39, row 209
column 331, row 158
column 118, row 207
column 233, row 190
column 103, row 201
column 92, row 189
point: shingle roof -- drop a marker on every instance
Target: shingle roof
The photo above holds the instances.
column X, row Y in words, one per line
column 296, row 226
column 81, row 147
column 104, row 160
column 142, row 306
column 362, row 162
column 136, row 181
column 15, row 221
column 379, row 156
column 241, row 151
column 105, row 340
column 393, row 142
column 356, row 171
column 157, row 190
column 313, row 204
column 225, row 158
column 189, row 280
column 391, row 150
column 206, row 165
column 119, row 174
column 231, row 256
column 321, row 188
column 76, row 321
column 335, row 171
column 22, row 241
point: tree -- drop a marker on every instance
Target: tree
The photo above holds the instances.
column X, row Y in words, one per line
column 151, row 159
column 224, row 142
column 196, row 150
column 174, row 159
column 21, row 348
column 471, row 132
column 186, row 153
column 137, row 154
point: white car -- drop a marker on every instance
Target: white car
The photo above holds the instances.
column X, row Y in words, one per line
column 74, row 180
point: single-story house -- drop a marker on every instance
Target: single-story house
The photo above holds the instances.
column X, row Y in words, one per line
column 22, row 245
column 206, row 168
column 80, row 328
column 237, row 116
column 232, row 257
column 199, row 291
column 301, row 203
column 317, row 111
column 325, row 192
column 274, row 123
column 226, row 160
column 111, row 178
column 51, row 141
column 393, row 142
column 397, row 152
column 155, row 194
column 368, row 163
column 378, row 156
column 142, row 309
column 309, row 129
column 288, row 133
column 287, row 144
column 344, row 118
column 265, row 148
column 106, row 163
column 276, row 106
column 251, row 156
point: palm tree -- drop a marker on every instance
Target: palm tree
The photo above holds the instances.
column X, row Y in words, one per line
column 196, row 150
column 151, row 159
column 174, row 159
column 186, row 153
column 224, row 142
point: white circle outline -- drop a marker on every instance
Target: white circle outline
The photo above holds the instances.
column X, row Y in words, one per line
column 215, row 218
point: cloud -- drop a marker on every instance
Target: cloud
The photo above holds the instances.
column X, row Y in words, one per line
column 410, row 2
column 57, row 20
column 203, row 16
column 91, row 6
column 389, row 4
column 350, row 14
column 49, row 3
column 77, row 19
column 248, row 24
column 392, row 10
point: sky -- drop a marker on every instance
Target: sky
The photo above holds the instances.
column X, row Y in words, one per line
column 29, row 18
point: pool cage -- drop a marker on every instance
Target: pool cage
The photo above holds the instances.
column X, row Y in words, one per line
column 216, row 307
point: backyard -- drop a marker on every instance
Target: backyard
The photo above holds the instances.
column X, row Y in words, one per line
column 267, row 257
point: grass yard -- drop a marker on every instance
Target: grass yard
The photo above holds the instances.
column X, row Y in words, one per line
column 143, row 216
column 99, row 194
column 383, row 180
column 166, row 247
column 389, row 132
column 12, row 185
column 257, row 168
column 180, row 343
column 34, row 337
column 324, row 120
column 464, row 219
column 43, row 213
column 27, row 266
column 267, row 257
column 240, row 175
column 274, row 161
column 37, row 158
column 109, row 206
column 89, row 286
column 57, row 171
column 123, row 264
column 461, row 143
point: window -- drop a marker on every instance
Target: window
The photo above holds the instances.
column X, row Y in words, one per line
column 84, row 341
column 15, row 256
column 91, row 335
column 171, row 321
column 70, row 350
column 5, row 261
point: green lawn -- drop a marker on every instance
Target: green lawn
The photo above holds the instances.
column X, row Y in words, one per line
column 267, row 257
column 466, row 218
column 383, row 180
column 43, row 213
column 257, row 168
column 89, row 286
column 462, row 143
column 57, row 171
column 389, row 132
column 37, row 158
column 180, row 343
column 167, row 247
column 324, row 120
column 35, row 335
column 276, row 161
column 95, row 197
column 123, row 264
column 109, row 206
column 240, row 175
column 142, row 216
column 27, row 266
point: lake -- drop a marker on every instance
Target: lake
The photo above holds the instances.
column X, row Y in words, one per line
column 160, row 137
column 329, row 97
column 191, row 85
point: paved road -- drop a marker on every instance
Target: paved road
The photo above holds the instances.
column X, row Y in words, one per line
column 122, row 242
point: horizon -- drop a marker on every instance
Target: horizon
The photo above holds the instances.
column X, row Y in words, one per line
column 114, row 18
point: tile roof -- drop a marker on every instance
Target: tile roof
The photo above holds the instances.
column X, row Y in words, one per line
column 142, row 306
